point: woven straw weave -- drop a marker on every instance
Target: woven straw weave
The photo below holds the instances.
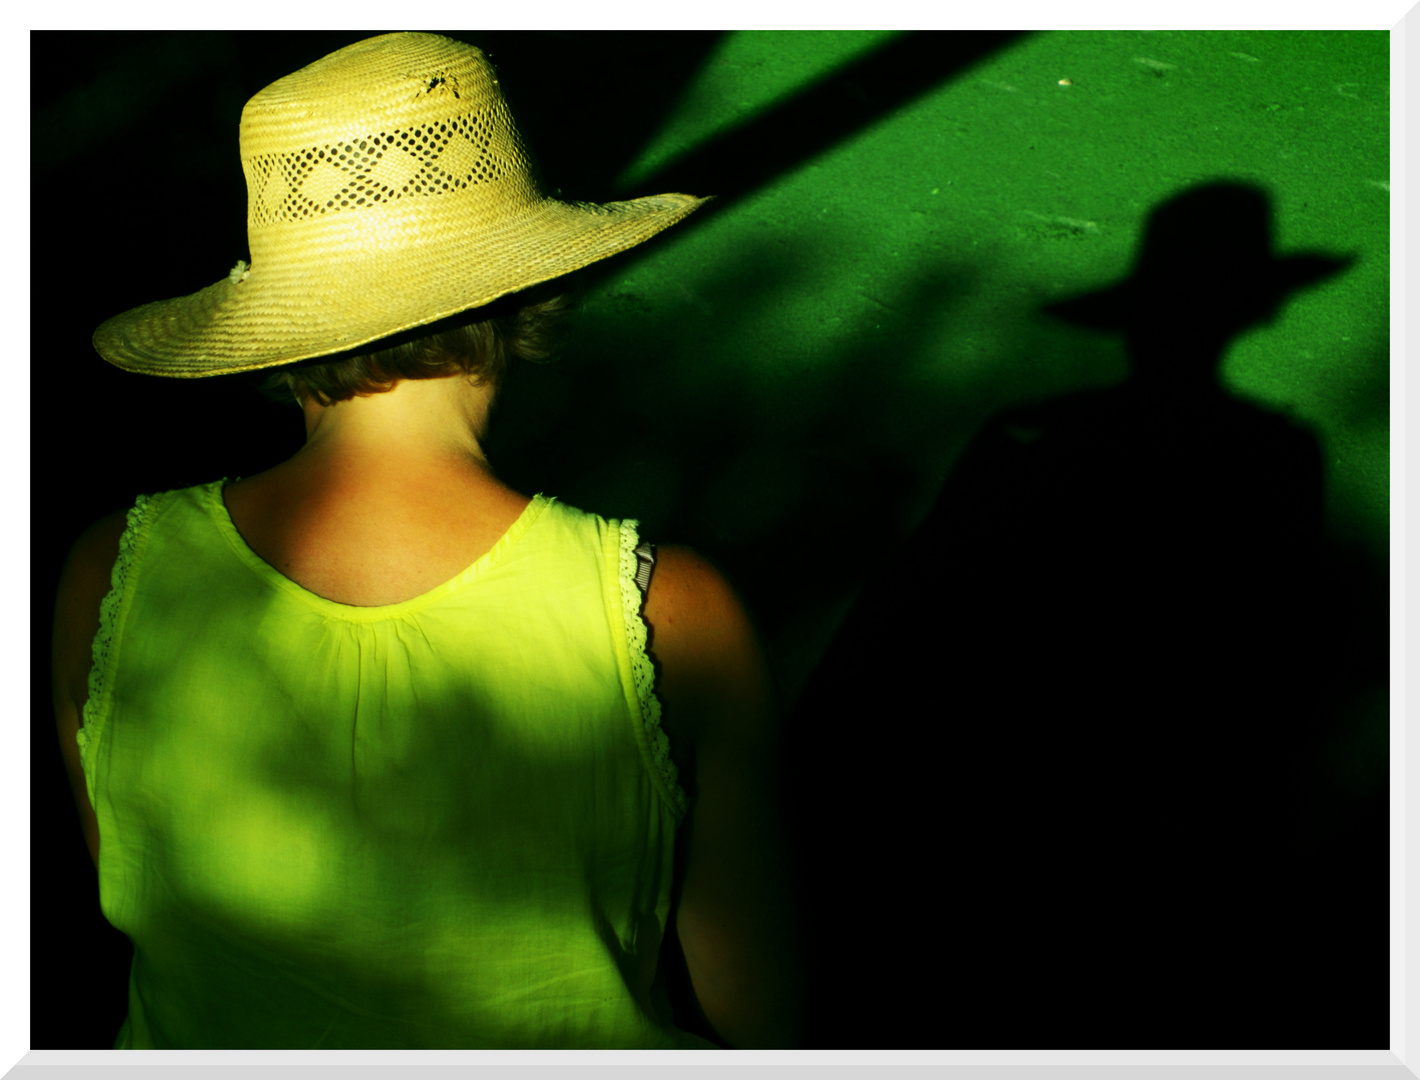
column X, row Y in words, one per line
column 387, row 187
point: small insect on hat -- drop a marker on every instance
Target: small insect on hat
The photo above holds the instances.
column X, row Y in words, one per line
column 387, row 188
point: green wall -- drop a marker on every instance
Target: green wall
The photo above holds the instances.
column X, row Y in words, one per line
column 801, row 368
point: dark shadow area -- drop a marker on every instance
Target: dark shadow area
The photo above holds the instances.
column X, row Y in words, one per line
column 1070, row 775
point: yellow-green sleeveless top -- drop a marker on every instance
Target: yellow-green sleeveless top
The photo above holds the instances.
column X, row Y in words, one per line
column 447, row 822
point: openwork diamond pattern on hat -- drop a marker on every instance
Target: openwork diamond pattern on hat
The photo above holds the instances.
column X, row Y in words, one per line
column 419, row 161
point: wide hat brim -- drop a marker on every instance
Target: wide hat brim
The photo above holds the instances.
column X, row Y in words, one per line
column 1147, row 296
column 279, row 311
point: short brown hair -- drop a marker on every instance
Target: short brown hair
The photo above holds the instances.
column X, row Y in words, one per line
column 526, row 325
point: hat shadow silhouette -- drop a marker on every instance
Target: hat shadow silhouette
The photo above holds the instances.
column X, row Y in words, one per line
column 1067, row 733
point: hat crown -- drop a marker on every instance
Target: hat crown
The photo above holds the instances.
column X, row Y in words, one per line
column 1208, row 232
column 392, row 118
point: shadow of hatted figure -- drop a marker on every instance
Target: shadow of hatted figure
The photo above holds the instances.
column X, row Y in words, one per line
column 1051, row 782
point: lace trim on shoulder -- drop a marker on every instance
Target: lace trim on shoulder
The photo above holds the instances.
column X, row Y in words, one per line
column 643, row 674
column 95, row 710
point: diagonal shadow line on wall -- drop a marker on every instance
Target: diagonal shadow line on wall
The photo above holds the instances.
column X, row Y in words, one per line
column 832, row 109
column 817, row 118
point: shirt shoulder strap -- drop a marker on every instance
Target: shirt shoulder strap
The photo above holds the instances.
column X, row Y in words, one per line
column 646, row 562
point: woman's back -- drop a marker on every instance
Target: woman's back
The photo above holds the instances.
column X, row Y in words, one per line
column 389, row 532
column 406, row 825
column 354, row 532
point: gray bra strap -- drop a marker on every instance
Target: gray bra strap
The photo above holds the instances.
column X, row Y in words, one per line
column 646, row 560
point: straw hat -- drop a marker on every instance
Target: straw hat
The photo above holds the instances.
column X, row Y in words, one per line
column 387, row 188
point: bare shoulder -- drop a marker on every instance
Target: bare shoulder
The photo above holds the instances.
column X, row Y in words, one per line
column 713, row 671
column 84, row 583
column 95, row 551
column 100, row 540
column 690, row 600
column 734, row 915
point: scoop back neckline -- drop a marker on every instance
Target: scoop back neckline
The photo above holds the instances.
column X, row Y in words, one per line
column 217, row 506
